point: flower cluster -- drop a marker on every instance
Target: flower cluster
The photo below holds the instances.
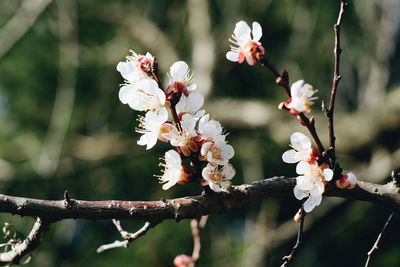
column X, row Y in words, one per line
column 195, row 136
column 313, row 177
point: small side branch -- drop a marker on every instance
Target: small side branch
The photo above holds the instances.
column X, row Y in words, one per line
column 129, row 237
column 283, row 81
column 299, row 240
column 393, row 216
column 196, row 227
column 336, row 78
column 23, row 248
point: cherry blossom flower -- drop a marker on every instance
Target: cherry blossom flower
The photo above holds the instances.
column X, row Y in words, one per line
column 218, row 179
column 311, row 183
column 136, row 67
column 246, row 43
column 217, row 152
column 150, row 126
column 182, row 260
column 210, row 129
column 144, row 95
column 190, row 104
column 183, row 137
column 180, row 79
column 174, row 172
column 301, row 97
column 302, row 150
column 347, row 181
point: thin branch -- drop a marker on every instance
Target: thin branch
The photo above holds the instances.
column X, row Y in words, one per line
column 299, row 240
column 189, row 207
column 336, row 78
column 129, row 237
column 283, row 81
column 196, row 226
column 393, row 216
column 32, row 241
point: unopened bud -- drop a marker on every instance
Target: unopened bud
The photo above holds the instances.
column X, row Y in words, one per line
column 182, row 260
column 347, row 181
column 296, row 217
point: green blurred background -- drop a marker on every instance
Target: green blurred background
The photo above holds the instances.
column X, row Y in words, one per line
column 63, row 127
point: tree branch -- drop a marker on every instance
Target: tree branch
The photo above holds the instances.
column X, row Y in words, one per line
column 189, row 207
column 29, row 244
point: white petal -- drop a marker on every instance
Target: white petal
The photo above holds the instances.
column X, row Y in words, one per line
column 302, row 167
column 232, row 56
column 351, row 178
column 317, row 189
column 311, row 202
column 299, row 141
column 178, row 70
column 205, row 148
column 228, row 171
column 328, row 174
column 148, row 140
column 296, row 86
column 192, row 87
column 125, row 93
column 242, row 31
column 227, row 152
column 290, row 156
column 257, row 31
column 299, row 194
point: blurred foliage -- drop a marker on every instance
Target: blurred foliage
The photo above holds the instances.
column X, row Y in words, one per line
column 99, row 158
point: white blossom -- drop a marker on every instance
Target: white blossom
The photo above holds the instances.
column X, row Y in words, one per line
column 218, row 152
column 131, row 70
column 210, row 129
column 301, row 97
column 245, row 43
column 311, row 183
column 143, row 96
column 302, row 149
column 190, row 104
column 173, row 172
column 218, row 179
column 180, row 73
column 150, row 126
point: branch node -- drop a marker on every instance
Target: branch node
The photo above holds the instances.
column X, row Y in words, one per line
column 396, row 178
column 68, row 202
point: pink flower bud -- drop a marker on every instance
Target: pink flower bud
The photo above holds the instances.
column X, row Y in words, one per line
column 296, row 217
column 347, row 181
column 182, row 260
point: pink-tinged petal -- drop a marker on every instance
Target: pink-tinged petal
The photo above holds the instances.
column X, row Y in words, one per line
column 257, row 31
column 290, row 156
column 328, row 174
column 250, row 60
column 303, row 167
column 299, row 141
column 242, row 31
column 232, row 56
column 241, row 57
column 178, row 70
